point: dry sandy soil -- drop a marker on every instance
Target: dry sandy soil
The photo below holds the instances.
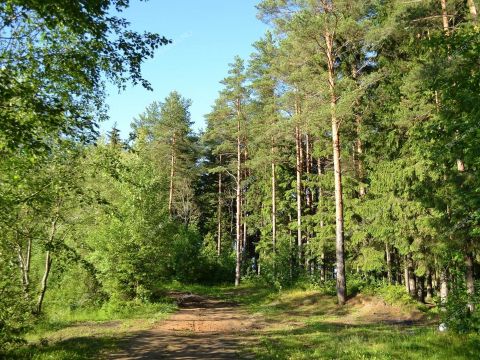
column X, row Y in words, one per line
column 203, row 328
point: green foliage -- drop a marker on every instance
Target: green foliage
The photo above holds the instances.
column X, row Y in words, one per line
column 14, row 308
column 101, row 229
column 456, row 314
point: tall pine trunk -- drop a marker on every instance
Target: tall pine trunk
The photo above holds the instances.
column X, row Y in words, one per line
column 298, row 187
column 172, row 175
column 339, row 244
column 238, row 224
column 219, row 212
column 274, row 208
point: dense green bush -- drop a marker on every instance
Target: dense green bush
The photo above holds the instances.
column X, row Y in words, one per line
column 14, row 308
column 455, row 312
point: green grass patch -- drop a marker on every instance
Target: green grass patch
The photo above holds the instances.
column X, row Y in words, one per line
column 308, row 324
column 77, row 348
column 320, row 340
column 87, row 333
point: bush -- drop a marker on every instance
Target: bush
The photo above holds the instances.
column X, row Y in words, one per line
column 15, row 314
column 456, row 314
column 395, row 294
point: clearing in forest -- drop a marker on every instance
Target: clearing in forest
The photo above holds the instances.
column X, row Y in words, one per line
column 203, row 328
column 252, row 322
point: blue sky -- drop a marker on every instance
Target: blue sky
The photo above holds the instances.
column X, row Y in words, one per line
column 206, row 35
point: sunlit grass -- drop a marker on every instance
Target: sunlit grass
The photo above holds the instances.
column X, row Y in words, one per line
column 89, row 332
column 321, row 333
column 329, row 341
column 297, row 323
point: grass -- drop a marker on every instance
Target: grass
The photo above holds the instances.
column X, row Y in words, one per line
column 306, row 324
column 76, row 348
column 64, row 334
column 320, row 340
column 298, row 323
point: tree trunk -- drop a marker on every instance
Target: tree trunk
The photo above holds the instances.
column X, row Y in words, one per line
column 421, row 288
column 473, row 10
column 389, row 263
column 339, row 244
column 443, row 286
column 445, row 17
column 308, row 166
column 323, row 268
column 43, row 288
column 398, row 263
column 172, row 175
column 429, row 286
column 48, row 266
column 238, row 264
column 24, row 261
column 244, row 201
column 219, row 213
column 274, row 210
column 292, row 256
column 469, row 279
column 407, row 275
column 299, row 192
column 309, row 203
column 411, row 277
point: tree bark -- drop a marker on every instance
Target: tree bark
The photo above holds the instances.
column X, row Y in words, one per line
column 473, row 10
column 238, row 263
column 308, row 167
column 274, row 210
column 172, row 175
column 244, row 200
column 24, row 261
column 389, row 263
column 421, row 288
column 339, row 244
column 407, row 275
column 43, row 288
column 443, row 286
column 411, row 277
column 469, row 279
column 429, row 285
column 47, row 268
column 298, row 188
column 445, row 17
column 219, row 212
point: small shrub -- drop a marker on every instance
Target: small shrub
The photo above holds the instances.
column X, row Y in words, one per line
column 456, row 314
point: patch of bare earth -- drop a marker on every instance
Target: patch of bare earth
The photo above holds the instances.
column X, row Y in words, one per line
column 297, row 310
column 203, row 328
column 372, row 310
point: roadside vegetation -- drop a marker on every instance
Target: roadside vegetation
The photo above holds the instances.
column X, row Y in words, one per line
column 302, row 322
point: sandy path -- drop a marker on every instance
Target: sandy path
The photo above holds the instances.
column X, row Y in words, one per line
column 203, row 328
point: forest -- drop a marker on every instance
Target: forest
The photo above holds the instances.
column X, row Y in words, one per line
column 341, row 157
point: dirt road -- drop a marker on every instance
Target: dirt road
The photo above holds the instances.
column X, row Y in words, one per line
column 203, row 328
